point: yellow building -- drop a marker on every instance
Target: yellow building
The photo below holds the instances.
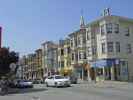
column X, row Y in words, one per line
column 38, row 61
column 64, row 57
column 32, row 66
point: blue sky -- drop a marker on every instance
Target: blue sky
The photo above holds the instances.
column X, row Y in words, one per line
column 28, row 23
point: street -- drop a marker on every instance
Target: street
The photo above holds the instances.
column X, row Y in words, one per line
column 82, row 91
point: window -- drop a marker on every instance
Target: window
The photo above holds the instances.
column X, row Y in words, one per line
column 62, row 63
column 89, row 51
column 71, row 43
column 72, row 56
column 68, row 50
column 110, row 47
column 93, row 50
column 92, row 35
column 102, row 30
column 84, row 55
column 79, row 41
column 80, row 55
column 109, row 27
column 84, row 39
column 116, row 28
column 117, row 46
column 50, row 77
column 129, row 48
column 59, row 77
column 76, row 57
column 62, row 52
column 103, row 48
column 127, row 31
column 88, row 36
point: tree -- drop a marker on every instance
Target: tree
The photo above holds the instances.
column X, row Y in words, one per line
column 6, row 58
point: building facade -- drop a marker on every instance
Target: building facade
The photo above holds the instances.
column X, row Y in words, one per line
column 38, row 61
column 32, row 66
column 49, row 58
column 64, row 57
column 102, row 48
column 109, row 47
column 78, row 50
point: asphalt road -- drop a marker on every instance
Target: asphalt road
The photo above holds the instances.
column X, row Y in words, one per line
column 75, row 92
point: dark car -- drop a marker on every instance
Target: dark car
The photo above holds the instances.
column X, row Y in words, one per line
column 73, row 79
column 37, row 81
column 24, row 84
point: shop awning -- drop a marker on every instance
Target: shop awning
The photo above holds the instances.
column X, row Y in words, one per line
column 103, row 63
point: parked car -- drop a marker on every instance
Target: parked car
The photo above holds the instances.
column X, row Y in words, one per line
column 24, row 84
column 57, row 81
column 37, row 81
column 73, row 79
column 12, row 84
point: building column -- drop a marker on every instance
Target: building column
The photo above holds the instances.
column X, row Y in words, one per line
column 112, row 73
column 104, row 75
column 89, row 77
column 82, row 73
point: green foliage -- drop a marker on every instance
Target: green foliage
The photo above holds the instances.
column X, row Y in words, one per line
column 6, row 58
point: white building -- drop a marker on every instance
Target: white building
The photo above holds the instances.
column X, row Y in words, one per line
column 110, row 47
column 49, row 57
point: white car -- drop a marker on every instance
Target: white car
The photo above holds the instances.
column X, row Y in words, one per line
column 57, row 80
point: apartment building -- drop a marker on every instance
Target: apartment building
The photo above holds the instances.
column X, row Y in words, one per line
column 109, row 45
column 64, row 57
column 38, row 61
column 32, row 66
column 49, row 58
column 78, row 50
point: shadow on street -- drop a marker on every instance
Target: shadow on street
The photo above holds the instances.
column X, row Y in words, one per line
column 26, row 90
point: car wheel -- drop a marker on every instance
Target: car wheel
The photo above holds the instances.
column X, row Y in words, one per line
column 47, row 84
column 55, row 84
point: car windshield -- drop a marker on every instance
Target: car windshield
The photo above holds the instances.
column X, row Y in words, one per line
column 59, row 77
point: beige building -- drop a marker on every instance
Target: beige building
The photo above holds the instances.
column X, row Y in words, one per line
column 49, row 57
column 78, row 50
column 38, row 61
column 109, row 47
column 32, row 66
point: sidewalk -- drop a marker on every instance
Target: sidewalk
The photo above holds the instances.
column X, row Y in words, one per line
column 109, row 84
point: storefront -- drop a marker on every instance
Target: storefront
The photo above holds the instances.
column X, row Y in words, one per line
column 110, row 69
column 81, row 71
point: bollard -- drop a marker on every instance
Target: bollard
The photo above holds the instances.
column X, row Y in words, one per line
column 35, row 98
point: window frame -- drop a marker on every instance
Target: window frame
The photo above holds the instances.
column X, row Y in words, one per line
column 109, row 28
column 116, row 28
column 110, row 47
column 118, row 47
column 103, row 48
